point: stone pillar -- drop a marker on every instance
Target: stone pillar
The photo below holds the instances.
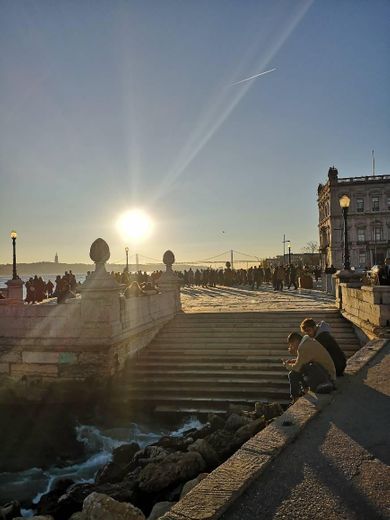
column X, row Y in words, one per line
column 352, row 278
column 169, row 281
column 100, row 302
column 15, row 290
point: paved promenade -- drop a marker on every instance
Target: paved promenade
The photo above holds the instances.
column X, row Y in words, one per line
column 226, row 299
column 339, row 466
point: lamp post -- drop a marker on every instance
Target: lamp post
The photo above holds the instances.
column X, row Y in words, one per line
column 344, row 204
column 14, row 236
column 289, row 252
column 127, row 259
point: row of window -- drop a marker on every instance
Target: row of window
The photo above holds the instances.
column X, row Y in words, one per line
column 377, row 234
column 374, row 204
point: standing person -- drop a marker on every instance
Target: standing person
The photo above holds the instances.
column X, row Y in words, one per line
column 49, row 288
column 384, row 273
column 311, row 368
column 321, row 332
column 292, row 277
column 280, row 277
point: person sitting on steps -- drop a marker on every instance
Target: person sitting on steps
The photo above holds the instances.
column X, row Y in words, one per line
column 312, row 368
column 321, row 332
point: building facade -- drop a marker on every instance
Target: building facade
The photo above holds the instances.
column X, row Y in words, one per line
column 368, row 220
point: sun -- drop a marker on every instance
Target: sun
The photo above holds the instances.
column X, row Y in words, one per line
column 135, row 225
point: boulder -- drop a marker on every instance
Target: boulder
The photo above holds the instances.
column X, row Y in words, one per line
column 151, row 452
column 10, row 510
column 98, row 506
column 176, row 467
column 235, row 421
column 125, row 453
column 199, row 434
column 244, row 433
column 272, row 410
column 48, row 503
column 207, row 451
column 169, row 442
column 216, row 422
column 222, row 442
column 188, row 486
column 160, row 509
column 77, row 516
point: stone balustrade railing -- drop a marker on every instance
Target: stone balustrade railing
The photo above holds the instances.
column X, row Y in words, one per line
column 367, row 307
column 92, row 335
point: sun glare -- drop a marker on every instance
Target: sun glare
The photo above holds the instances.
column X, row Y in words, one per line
column 135, row 225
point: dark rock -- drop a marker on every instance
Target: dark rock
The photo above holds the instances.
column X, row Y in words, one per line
column 216, row 422
column 201, row 433
column 48, row 503
column 172, row 443
column 222, row 442
column 151, row 452
column 10, row 510
column 235, row 421
column 208, row 453
column 125, row 453
column 176, row 467
column 244, row 433
column 272, row 410
column 188, row 486
column 160, row 509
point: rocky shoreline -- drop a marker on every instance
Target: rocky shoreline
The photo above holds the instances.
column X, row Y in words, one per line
column 144, row 483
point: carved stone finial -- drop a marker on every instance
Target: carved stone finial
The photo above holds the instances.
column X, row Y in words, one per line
column 169, row 259
column 99, row 252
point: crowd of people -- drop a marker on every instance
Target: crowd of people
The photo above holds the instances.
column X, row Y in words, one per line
column 38, row 290
column 279, row 276
column 318, row 359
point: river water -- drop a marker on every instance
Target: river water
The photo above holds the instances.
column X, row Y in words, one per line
column 31, row 484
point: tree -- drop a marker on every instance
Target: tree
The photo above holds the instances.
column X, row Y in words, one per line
column 310, row 247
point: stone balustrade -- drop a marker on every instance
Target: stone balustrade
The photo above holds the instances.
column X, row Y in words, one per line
column 368, row 307
column 91, row 335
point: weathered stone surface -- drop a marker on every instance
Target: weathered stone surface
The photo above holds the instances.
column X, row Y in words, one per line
column 120, row 465
column 98, row 506
column 39, row 369
column 208, row 453
column 40, row 357
column 188, row 486
column 216, row 422
column 159, row 509
column 175, row 468
column 221, row 441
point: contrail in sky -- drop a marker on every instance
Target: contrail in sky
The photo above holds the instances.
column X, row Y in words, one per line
column 253, row 77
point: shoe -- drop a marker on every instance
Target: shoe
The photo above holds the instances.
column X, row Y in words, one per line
column 325, row 388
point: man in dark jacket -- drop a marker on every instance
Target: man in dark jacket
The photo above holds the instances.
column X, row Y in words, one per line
column 321, row 332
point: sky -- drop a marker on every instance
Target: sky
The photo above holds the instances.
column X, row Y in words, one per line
column 110, row 105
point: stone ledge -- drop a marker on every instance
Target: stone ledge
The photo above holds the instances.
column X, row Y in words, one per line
column 213, row 495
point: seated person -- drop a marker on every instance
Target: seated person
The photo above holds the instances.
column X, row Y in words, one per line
column 321, row 332
column 312, row 368
column 133, row 290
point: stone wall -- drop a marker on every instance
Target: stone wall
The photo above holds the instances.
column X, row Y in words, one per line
column 83, row 337
column 367, row 307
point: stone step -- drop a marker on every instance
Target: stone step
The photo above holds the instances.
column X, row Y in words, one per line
column 148, row 365
column 222, row 394
column 240, row 350
column 217, row 380
column 140, row 373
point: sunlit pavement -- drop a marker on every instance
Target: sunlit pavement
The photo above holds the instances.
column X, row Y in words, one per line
column 235, row 299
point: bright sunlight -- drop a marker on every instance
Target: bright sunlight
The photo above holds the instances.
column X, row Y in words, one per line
column 135, row 225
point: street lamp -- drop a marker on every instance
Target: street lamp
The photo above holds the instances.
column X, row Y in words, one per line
column 14, row 236
column 127, row 259
column 289, row 252
column 344, row 204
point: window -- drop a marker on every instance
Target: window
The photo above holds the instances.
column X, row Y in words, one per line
column 361, row 234
column 375, row 203
column 388, row 202
column 360, row 205
column 362, row 259
column 377, row 233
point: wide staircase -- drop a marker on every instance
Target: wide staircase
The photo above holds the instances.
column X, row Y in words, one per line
column 201, row 362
